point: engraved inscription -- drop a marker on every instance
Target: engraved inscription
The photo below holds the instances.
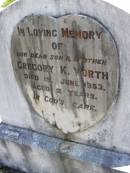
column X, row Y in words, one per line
column 67, row 68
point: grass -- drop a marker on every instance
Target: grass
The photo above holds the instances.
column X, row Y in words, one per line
column 6, row 3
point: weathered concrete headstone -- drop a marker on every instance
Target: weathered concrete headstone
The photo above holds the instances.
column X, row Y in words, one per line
column 67, row 67
column 64, row 76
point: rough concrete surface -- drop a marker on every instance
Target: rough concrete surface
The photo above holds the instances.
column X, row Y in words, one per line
column 37, row 151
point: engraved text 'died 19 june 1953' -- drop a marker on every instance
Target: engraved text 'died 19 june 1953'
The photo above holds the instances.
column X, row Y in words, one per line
column 67, row 68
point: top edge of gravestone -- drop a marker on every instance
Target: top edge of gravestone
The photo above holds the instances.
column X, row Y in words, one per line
column 101, row 4
column 119, row 4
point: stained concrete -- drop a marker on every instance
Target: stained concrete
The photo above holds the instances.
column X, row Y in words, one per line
column 112, row 133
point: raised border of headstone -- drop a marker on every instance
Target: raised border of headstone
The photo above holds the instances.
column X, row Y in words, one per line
column 29, row 150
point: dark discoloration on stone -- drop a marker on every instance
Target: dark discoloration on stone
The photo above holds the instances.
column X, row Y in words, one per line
column 9, row 170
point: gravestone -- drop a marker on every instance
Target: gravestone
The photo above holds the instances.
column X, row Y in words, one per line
column 64, row 86
column 67, row 67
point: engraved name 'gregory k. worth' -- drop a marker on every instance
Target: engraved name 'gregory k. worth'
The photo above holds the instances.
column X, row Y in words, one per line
column 67, row 68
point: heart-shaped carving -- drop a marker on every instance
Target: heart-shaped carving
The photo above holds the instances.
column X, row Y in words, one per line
column 67, row 67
